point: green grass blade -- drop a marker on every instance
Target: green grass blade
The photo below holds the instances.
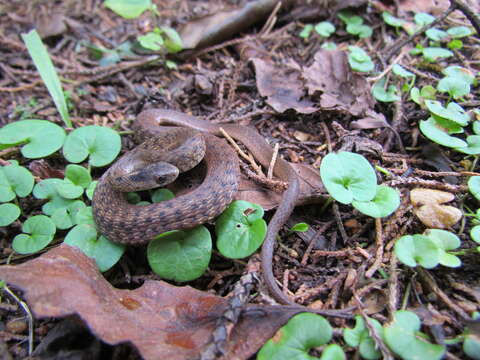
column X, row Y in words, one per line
column 44, row 65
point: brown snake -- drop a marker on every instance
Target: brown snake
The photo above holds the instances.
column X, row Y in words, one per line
column 131, row 224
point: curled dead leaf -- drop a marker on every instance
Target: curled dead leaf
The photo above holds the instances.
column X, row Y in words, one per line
column 429, row 208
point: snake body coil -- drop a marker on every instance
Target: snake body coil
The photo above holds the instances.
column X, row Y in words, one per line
column 126, row 223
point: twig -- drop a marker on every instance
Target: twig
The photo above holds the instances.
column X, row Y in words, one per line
column 273, row 161
column 241, row 153
column 29, row 316
column 379, row 253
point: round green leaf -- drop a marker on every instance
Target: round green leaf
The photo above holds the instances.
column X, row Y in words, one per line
column 68, row 190
column 173, row 41
column 459, row 72
column 455, row 87
column 293, row 341
column 359, row 59
column 84, row 216
column 459, row 31
column 400, row 71
column 436, row 34
column 416, row 249
column 475, row 234
column 471, row 346
column 90, row 189
column 151, row 41
column 434, row 132
column 385, row 202
column 240, row 229
column 300, row 227
column 402, row 337
column 474, row 186
column 306, row 31
column 8, row 214
column 325, row 28
column 348, row 176
column 362, row 30
column 455, row 44
column 385, row 95
column 103, row 251
column 392, row 20
column 38, row 233
column 180, row 255
column 78, row 175
column 65, row 218
column 453, row 112
column 473, row 145
column 33, row 134
column 15, row 180
column 47, row 189
column 333, row 352
column 360, row 337
column 433, row 53
column 102, row 144
column 128, row 9
column 159, row 195
column 445, row 241
column 423, row 19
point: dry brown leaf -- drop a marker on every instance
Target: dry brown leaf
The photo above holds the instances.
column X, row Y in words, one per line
column 429, row 208
column 161, row 320
column 282, row 86
column 339, row 88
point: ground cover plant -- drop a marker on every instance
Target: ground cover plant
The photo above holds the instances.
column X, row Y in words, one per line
column 374, row 105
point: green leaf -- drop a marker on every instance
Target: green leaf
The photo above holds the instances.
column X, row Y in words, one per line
column 416, row 249
column 423, row 19
column 90, row 189
column 65, row 218
column 103, row 251
column 359, row 59
column 459, row 31
column 151, row 41
column 362, row 30
column 385, row 202
column 455, row 44
column 379, row 92
column 159, row 195
column 8, row 214
column 33, row 133
column 84, row 216
column 101, row 144
column 173, row 41
column 460, row 72
column 392, row 20
column 404, row 338
column 44, row 65
column 432, row 130
column 240, row 229
column 306, row 31
column 128, row 9
column 300, row 227
column 38, row 233
column 294, row 340
column 348, row 176
column 47, row 189
column 436, row 34
column 445, row 241
column 77, row 178
column 474, row 186
column 15, row 181
column 471, row 346
column 455, row 87
column 333, row 352
column 329, row 46
column 325, row 28
column 360, row 337
column 400, row 71
column 433, row 53
column 180, row 255
column 473, row 146
column 453, row 112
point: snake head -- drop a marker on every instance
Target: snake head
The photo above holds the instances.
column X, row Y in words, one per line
column 149, row 177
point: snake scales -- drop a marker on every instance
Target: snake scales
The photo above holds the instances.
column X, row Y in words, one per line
column 130, row 224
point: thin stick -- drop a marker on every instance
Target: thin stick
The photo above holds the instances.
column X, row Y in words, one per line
column 273, row 161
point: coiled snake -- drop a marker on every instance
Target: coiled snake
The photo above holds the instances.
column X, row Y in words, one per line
column 130, row 224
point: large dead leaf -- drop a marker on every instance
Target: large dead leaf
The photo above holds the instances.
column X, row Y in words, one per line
column 282, row 86
column 163, row 321
column 429, row 208
column 339, row 88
